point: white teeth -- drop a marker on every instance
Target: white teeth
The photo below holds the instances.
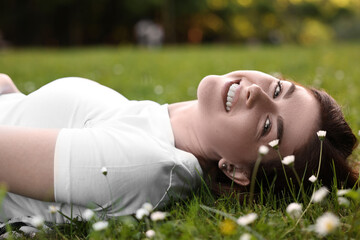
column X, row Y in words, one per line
column 230, row 95
column 234, row 86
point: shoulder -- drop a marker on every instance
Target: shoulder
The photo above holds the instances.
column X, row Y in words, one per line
column 69, row 83
column 79, row 90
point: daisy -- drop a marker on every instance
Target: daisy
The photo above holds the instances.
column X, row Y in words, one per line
column 140, row 213
column 319, row 195
column 87, row 214
column 227, row 227
column 101, row 225
column 326, row 224
column 342, row 192
column 294, row 210
column 148, row 206
column 263, row 150
column 274, row 144
column 343, row 201
column 53, row 209
column 246, row 219
column 150, row 233
column 37, row 221
column 321, row 134
column 158, row 216
column 245, row 236
column 288, row 160
column 104, row 171
column 312, row 178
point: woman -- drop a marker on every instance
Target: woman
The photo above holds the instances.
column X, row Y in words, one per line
column 55, row 141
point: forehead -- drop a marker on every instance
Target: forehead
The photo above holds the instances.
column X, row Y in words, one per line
column 301, row 115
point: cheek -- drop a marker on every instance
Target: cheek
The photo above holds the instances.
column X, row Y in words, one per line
column 237, row 140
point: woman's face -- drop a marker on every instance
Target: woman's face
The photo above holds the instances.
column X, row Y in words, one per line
column 258, row 108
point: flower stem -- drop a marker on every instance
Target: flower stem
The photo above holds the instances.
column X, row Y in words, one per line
column 71, row 216
column 111, row 199
column 300, row 183
column 286, row 178
column 297, row 222
column 321, row 149
column 147, row 222
column 253, row 177
column 308, row 206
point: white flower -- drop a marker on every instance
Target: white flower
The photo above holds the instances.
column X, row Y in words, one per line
column 37, row 221
column 246, row 219
column 326, row 224
column 148, row 206
column 53, row 209
column 294, row 210
column 274, row 143
column 319, row 195
column 158, row 216
column 104, row 171
column 321, row 134
column 101, row 225
column 263, row 150
column 141, row 212
column 150, row 233
column 87, row 214
column 342, row 192
column 359, row 133
column 343, row 201
column 312, row 178
column 288, row 160
column 245, row 236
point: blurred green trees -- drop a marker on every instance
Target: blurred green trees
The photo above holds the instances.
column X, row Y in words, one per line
column 78, row 22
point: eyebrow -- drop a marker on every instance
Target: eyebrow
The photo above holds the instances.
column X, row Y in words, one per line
column 280, row 128
column 290, row 91
column 280, row 120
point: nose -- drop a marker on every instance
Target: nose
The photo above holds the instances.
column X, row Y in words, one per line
column 255, row 95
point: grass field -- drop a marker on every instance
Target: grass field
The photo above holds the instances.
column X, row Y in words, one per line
column 171, row 74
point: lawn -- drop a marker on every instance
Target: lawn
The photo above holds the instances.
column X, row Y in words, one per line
column 172, row 74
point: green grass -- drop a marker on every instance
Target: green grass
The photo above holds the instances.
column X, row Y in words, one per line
column 142, row 74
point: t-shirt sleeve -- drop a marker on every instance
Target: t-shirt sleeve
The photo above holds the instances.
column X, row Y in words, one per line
column 138, row 170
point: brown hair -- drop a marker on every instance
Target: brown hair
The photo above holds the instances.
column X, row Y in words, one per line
column 337, row 147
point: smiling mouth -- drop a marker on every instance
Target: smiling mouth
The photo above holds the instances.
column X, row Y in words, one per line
column 230, row 97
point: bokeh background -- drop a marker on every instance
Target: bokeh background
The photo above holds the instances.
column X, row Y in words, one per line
column 158, row 22
column 161, row 49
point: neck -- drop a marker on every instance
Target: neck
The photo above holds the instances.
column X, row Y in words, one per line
column 185, row 125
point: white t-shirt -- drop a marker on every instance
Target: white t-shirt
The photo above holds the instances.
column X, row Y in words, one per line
column 101, row 128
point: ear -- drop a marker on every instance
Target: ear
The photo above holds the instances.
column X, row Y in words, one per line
column 239, row 174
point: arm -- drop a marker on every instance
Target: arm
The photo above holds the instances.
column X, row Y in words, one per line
column 27, row 161
column 7, row 85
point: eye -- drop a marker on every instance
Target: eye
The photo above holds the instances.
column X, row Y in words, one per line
column 267, row 127
column 278, row 89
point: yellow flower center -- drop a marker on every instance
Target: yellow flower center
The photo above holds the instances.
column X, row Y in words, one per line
column 329, row 226
column 227, row 227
